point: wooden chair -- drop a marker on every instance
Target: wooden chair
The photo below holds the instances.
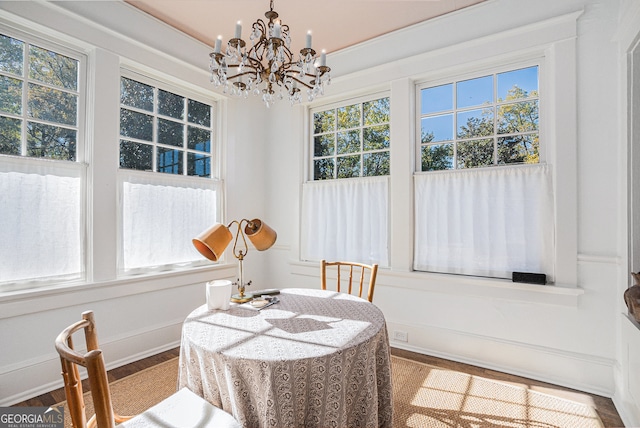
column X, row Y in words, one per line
column 349, row 267
column 184, row 408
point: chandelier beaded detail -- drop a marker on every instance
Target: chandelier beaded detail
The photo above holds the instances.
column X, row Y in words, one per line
column 269, row 64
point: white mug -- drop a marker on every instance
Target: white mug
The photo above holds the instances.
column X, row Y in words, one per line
column 218, row 294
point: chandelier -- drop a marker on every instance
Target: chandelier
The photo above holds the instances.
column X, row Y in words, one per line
column 268, row 67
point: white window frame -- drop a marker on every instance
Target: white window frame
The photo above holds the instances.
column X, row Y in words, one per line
column 158, row 85
column 78, row 167
column 71, row 52
column 160, row 178
column 336, row 105
column 340, row 183
column 557, row 133
column 472, row 74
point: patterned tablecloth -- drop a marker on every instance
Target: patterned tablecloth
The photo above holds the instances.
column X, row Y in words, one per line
column 316, row 359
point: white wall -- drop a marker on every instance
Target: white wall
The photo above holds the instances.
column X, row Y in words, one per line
column 627, row 394
column 574, row 335
column 567, row 334
column 142, row 315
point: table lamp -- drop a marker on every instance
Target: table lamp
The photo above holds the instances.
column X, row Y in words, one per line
column 212, row 242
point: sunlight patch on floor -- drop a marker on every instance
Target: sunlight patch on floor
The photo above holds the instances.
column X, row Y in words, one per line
column 450, row 398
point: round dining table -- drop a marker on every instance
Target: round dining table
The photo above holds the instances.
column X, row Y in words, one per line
column 317, row 358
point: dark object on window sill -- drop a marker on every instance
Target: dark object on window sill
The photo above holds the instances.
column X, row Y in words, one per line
column 530, row 278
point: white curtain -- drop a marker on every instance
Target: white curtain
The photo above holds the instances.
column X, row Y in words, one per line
column 41, row 220
column 346, row 219
column 485, row 222
column 161, row 214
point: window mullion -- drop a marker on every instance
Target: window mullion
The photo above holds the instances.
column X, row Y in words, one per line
column 361, row 138
column 185, row 133
column 495, row 119
column 25, row 99
column 335, row 139
column 455, row 126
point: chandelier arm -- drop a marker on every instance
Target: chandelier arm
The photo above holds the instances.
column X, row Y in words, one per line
column 261, row 26
column 253, row 73
column 257, row 56
column 287, row 52
column 311, row 75
column 256, row 63
column 322, row 69
column 265, row 41
column 251, row 69
column 302, row 82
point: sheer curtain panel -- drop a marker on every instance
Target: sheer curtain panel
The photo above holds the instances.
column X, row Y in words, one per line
column 160, row 216
column 41, row 221
column 485, row 222
column 346, row 219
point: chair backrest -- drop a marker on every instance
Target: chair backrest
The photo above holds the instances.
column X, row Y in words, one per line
column 93, row 361
column 345, row 274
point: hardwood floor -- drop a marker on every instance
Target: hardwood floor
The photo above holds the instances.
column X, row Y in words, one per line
column 604, row 406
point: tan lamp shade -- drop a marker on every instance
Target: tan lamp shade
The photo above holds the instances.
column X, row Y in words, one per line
column 212, row 242
column 261, row 236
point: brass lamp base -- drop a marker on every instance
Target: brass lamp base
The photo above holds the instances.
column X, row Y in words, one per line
column 237, row 298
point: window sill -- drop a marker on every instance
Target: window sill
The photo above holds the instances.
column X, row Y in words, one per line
column 34, row 300
column 489, row 288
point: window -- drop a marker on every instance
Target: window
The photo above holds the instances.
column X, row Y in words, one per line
column 351, row 140
column 164, row 132
column 46, row 126
column 479, row 122
column 169, row 193
column 345, row 205
column 471, row 219
column 41, row 101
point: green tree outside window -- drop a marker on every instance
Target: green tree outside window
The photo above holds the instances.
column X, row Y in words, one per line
column 50, row 87
column 487, row 132
column 352, row 140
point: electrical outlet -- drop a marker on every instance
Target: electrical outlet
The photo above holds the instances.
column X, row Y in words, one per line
column 400, row 336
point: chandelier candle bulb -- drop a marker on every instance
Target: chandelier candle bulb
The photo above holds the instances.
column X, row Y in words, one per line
column 308, row 39
column 238, row 29
column 323, row 58
column 218, row 45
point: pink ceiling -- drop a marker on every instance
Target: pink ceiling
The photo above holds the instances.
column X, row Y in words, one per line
column 335, row 24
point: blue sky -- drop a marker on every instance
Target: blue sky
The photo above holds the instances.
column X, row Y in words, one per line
column 469, row 93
